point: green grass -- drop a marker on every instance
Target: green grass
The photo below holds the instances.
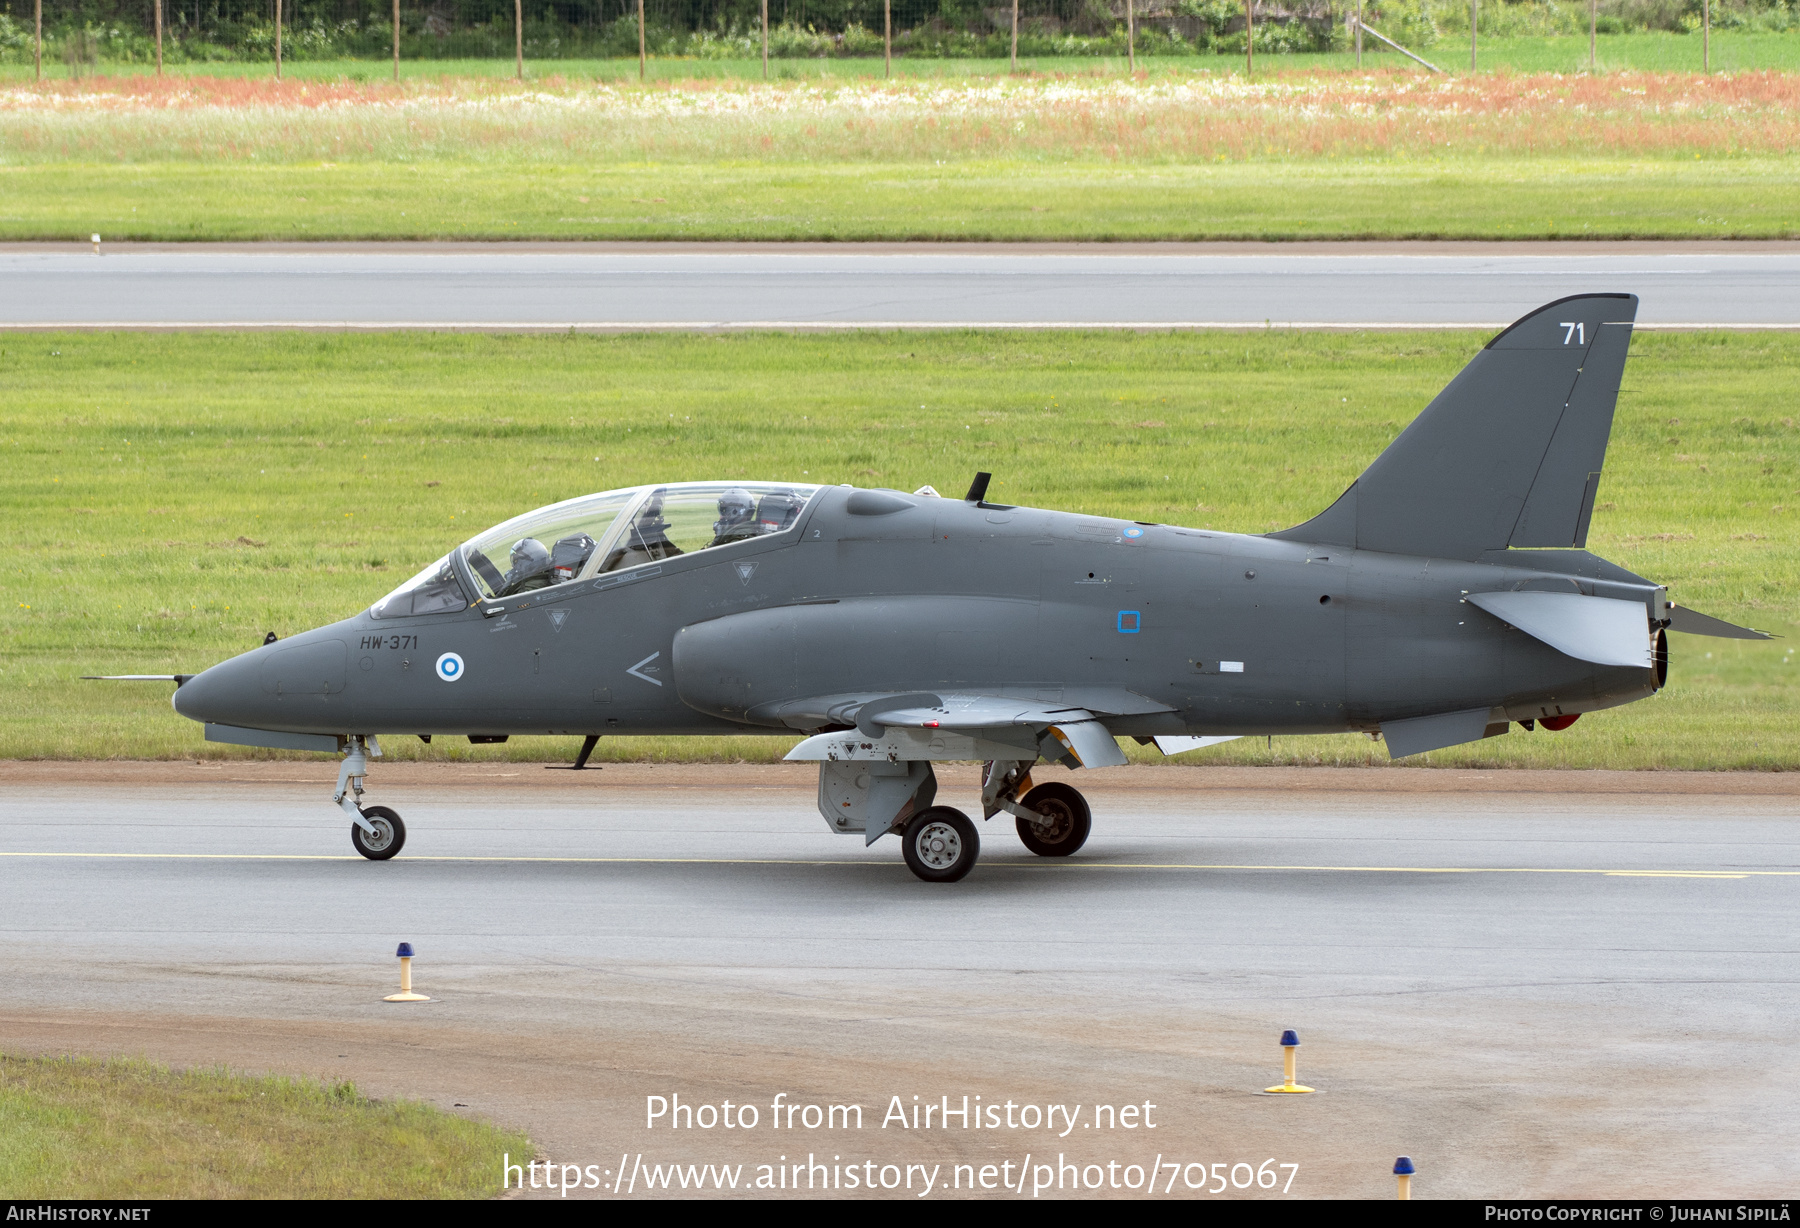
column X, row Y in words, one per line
column 1732, row 51
column 1189, row 150
column 126, row 1129
column 1492, row 198
column 171, row 497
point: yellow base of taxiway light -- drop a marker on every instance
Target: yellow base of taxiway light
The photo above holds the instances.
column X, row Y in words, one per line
column 406, row 997
column 1286, row 1089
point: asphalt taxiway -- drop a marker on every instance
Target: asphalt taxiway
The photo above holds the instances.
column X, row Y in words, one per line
column 616, row 286
column 1534, row 983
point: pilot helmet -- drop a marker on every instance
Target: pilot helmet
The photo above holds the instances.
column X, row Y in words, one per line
column 777, row 511
column 569, row 555
column 736, row 506
column 529, row 558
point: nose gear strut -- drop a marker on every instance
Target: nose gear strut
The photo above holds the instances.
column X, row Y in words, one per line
column 377, row 833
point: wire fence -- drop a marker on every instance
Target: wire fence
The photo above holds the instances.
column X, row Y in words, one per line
column 200, row 30
column 77, row 33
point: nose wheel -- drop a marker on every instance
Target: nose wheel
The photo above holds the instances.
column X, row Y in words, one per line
column 376, row 831
column 1065, row 823
column 387, row 838
column 940, row 844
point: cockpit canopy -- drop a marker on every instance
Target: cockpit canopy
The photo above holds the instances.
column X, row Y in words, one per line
column 578, row 539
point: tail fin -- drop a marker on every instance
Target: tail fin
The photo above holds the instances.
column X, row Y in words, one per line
column 1509, row 454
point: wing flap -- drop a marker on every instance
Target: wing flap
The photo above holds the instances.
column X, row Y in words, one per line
column 1087, row 742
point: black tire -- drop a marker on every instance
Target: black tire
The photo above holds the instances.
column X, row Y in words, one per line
column 940, row 844
column 379, row 848
column 1069, row 817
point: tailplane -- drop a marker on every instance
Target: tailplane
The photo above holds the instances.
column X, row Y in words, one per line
column 1509, row 454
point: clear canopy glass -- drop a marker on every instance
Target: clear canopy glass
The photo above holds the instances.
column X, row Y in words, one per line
column 435, row 590
column 618, row 529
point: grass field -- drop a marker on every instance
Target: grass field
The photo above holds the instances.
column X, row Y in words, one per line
column 1385, row 153
column 1477, row 199
column 173, row 497
column 124, row 1129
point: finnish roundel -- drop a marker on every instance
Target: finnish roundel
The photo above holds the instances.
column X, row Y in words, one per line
column 450, row 667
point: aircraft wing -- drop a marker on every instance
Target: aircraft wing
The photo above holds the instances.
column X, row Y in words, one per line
column 925, row 725
column 964, row 713
column 955, row 709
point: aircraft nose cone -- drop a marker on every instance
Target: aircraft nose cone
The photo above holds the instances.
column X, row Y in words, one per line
column 222, row 695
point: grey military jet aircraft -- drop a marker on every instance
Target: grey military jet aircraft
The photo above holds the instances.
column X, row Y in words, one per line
column 1444, row 597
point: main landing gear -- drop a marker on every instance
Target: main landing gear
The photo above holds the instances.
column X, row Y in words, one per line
column 1060, row 820
column 940, row 844
column 1052, row 819
column 375, row 831
column 867, row 788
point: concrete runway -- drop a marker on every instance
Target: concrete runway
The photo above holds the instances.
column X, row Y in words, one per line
column 1536, row 984
column 689, row 286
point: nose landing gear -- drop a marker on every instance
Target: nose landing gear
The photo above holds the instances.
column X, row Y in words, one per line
column 375, row 831
column 385, row 840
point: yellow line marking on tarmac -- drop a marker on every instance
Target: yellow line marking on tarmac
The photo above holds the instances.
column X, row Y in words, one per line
column 1015, row 865
column 1686, row 873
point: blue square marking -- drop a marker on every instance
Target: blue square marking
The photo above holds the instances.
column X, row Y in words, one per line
column 1130, row 622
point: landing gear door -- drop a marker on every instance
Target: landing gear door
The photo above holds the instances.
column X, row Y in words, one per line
column 874, row 797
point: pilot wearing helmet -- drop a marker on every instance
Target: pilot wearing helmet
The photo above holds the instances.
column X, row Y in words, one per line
column 737, row 518
column 530, row 567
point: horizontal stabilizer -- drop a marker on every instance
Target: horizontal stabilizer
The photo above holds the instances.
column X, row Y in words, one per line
column 1596, row 629
column 1423, row 733
column 1181, row 745
column 1693, row 622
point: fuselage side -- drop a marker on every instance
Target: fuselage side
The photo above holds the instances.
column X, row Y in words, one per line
column 1237, row 634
